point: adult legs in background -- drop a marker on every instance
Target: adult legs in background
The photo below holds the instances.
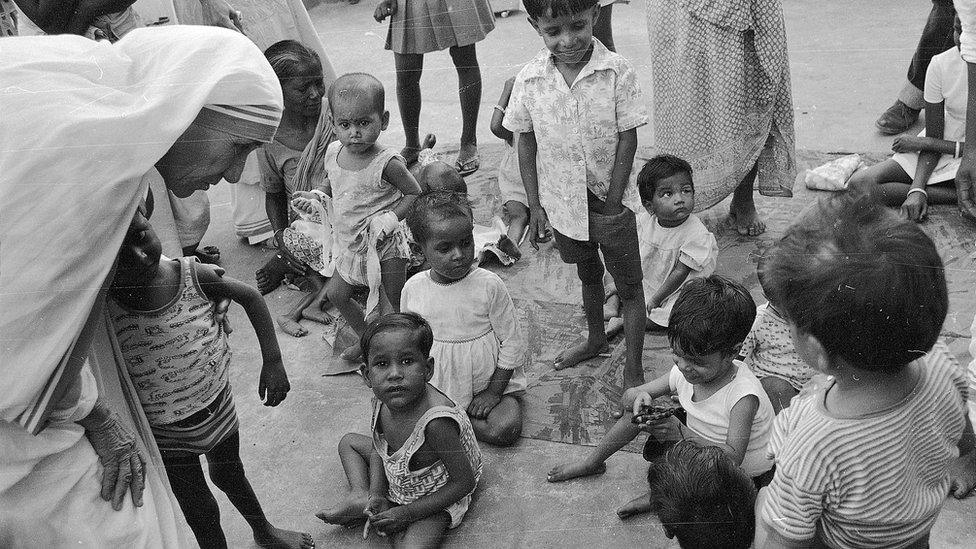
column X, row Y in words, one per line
column 603, row 30
column 409, row 67
column 742, row 211
column 469, row 92
column 936, row 38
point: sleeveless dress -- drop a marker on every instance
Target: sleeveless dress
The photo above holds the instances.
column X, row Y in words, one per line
column 424, row 26
column 404, row 485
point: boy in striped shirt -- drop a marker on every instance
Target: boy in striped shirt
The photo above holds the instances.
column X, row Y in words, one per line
column 868, row 458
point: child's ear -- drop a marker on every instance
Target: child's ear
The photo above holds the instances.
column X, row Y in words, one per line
column 386, row 119
column 811, row 350
column 364, row 371
column 430, row 368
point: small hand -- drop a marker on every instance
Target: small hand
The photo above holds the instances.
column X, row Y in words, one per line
column 640, row 401
column 386, row 8
column 221, row 307
column 538, row 226
column 273, row 383
column 668, row 428
column 915, row 207
column 391, row 521
column 626, row 402
column 124, row 467
column 482, row 404
column 908, row 143
column 218, row 13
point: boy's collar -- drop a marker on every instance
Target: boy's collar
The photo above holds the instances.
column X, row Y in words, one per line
column 600, row 59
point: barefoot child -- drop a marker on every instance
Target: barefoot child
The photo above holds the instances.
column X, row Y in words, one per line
column 769, row 351
column 371, row 192
column 675, row 246
column 415, row 478
column 178, row 358
column 575, row 163
column 290, row 168
column 514, row 201
column 725, row 403
column 703, row 498
column 868, row 459
column 479, row 347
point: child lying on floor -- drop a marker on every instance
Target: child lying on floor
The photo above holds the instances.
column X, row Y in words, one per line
column 725, row 404
column 414, row 479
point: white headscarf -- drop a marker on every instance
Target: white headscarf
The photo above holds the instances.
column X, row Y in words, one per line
column 82, row 123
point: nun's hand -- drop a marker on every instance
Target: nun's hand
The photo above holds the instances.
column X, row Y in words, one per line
column 219, row 13
column 386, row 8
column 124, row 469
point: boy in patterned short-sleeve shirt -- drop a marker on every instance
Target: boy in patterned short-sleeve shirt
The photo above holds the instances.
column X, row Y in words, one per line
column 578, row 106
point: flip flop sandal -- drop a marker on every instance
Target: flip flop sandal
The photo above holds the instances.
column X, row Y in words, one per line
column 469, row 166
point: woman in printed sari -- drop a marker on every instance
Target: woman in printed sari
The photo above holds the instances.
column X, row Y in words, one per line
column 88, row 127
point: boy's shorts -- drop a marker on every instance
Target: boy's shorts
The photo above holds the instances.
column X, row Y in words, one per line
column 616, row 237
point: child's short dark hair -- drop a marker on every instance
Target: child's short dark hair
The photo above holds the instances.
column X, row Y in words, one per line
column 291, row 58
column 412, row 322
column 712, row 314
column 660, row 167
column 359, row 84
column 554, row 8
column 868, row 285
column 703, row 498
column 435, row 205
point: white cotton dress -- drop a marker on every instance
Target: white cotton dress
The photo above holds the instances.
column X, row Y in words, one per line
column 475, row 330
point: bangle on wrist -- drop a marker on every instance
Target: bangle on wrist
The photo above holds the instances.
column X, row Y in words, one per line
column 918, row 190
column 501, row 109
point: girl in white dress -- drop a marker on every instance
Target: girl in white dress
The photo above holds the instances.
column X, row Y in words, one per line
column 479, row 347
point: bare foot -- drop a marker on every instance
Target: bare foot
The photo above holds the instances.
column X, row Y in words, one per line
column 277, row 538
column 352, row 353
column 576, row 469
column 347, row 512
column 291, row 327
column 506, row 245
column 746, row 220
column 611, row 307
column 568, row 358
column 614, row 326
column 637, row 506
column 316, row 314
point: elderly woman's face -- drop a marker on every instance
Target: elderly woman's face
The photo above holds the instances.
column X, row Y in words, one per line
column 201, row 157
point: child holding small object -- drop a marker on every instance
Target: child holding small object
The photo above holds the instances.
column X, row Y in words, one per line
column 703, row 498
column 575, row 162
column 178, row 358
column 675, row 246
column 867, row 459
column 514, row 201
column 415, row 477
column 479, row 348
column 769, row 351
column 371, row 191
column 724, row 403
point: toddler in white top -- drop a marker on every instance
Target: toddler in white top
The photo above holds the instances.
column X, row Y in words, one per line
column 479, row 347
column 675, row 246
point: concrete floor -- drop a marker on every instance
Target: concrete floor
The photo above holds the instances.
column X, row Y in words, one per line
column 848, row 61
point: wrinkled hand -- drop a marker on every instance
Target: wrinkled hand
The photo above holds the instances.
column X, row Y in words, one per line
column 390, row 521
column 538, row 226
column 218, row 13
column 915, row 207
column 908, row 143
column 220, row 309
column 386, row 8
column 124, row 469
column 962, row 476
column 302, row 201
column 273, row 386
column 383, row 225
column 482, row 404
column 965, row 189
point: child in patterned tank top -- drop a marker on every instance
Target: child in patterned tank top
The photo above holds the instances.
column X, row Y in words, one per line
column 422, row 441
column 177, row 356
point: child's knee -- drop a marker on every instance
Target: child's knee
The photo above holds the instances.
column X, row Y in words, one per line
column 590, row 272
column 630, row 290
column 338, row 292
column 515, row 212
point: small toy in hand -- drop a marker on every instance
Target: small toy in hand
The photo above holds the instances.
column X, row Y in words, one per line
column 654, row 412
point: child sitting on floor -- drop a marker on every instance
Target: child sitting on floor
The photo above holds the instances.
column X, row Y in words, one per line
column 769, row 352
column 703, row 498
column 724, row 402
column 479, row 348
column 371, row 190
column 867, row 459
column 675, row 246
column 422, row 442
column 178, row 357
column 514, row 201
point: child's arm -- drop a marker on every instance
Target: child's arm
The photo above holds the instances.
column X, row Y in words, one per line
column 916, row 204
column 498, row 113
column 443, row 436
column 273, row 383
column 915, row 143
column 396, row 173
column 623, row 163
column 511, row 353
column 671, row 283
column 538, row 220
column 378, row 486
